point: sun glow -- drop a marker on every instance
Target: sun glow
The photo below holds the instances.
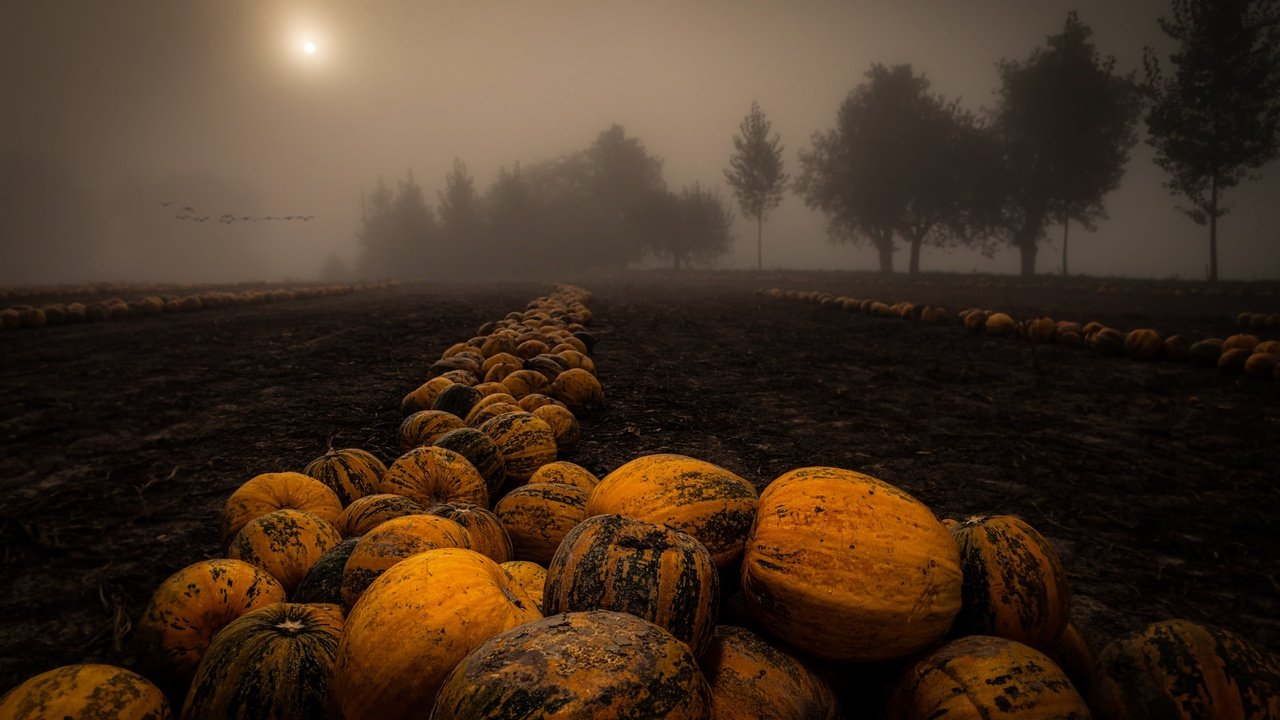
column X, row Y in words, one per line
column 309, row 47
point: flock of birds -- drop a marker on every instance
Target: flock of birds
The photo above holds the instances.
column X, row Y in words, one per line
column 188, row 213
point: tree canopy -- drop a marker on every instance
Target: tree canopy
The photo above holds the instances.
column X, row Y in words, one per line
column 1216, row 118
column 755, row 172
column 691, row 227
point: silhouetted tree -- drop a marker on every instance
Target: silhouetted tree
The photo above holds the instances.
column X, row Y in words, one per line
column 898, row 164
column 755, row 172
column 396, row 230
column 1066, row 122
column 1218, row 117
column 335, row 269
column 694, row 226
column 621, row 173
column 459, row 207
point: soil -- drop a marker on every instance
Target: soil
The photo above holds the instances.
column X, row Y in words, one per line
column 1156, row 482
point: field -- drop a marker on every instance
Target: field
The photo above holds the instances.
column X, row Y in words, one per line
column 1156, row 482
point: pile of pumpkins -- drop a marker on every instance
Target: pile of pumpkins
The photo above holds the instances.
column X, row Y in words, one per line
column 1242, row 353
column 23, row 316
column 668, row 588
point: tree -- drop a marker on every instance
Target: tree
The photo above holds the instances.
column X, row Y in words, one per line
column 621, row 173
column 694, row 226
column 898, row 164
column 1065, row 121
column 1217, row 118
column 755, row 172
column 459, row 207
column 396, row 230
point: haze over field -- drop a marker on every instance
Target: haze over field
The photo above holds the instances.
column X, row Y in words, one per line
column 115, row 109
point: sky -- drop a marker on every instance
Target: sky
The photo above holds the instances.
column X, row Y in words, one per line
column 115, row 108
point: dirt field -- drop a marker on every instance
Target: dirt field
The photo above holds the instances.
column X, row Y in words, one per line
column 1157, row 483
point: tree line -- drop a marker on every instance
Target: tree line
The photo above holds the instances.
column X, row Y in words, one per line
column 904, row 165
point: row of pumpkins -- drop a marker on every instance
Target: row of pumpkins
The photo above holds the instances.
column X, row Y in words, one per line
column 1242, row 353
column 1110, row 287
column 667, row 588
column 24, row 316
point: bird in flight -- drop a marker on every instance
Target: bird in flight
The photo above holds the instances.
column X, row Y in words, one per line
column 164, row 203
column 189, row 209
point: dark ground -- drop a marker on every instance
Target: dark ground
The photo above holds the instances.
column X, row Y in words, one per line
column 1156, row 482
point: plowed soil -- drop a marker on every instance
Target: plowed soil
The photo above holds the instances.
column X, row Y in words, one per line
column 1156, row 482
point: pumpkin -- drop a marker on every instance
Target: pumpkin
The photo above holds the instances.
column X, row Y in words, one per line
column 285, row 543
column 497, row 398
column 1068, row 326
column 985, row 677
column 595, row 664
column 526, row 441
column 415, row 623
column 86, row 691
column 371, row 511
column 10, row 319
column 481, row 415
column 1014, row 583
column 422, row 428
column 609, row 562
column 751, row 679
column 273, row 663
column 999, row 324
column 548, row 366
column 1107, row 341
column 498, row 343
column 490, row 388
column 277, row 491
column 579, row 390
column 481, row 451
column 1206, row 352
column 488, row 536
column 1242, row 341
column 565, row 426
column 1233, row 360
column 524, row 382
column 445, row 367
column 498, row 373
column 1261, row 365
column 1071, row 653
column 431, row 475
column 190, row 607
column 323, row 582
column 351, row 472
column 563, row 471
column 848, row 567
column 1041, row 330
column 457, row 399
column 460, row 377
column 537, row 517
column 393, row 541
column 530, row 576
column 1176, row 348
column 1271, row 347
column 708, row 502
column 1181, row 669
column 499, row 359
column 532, row 402
column 1142, row 344
column 425, row 396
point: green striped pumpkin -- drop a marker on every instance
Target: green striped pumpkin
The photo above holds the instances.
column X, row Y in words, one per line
column 610, row 562
column 527, row 443
column 457, row 399
column 537, row 517
column 285, row 543
column 85, row 691
column 751, row 678
column 275, row 663
column 481, row 451
column 351, row 472
column 1014, row 584
column 323, row 582
column 371, row 511
column 488, row 536
column 595, row 664
column 393, row 541
column 422, row 428
column 1181, row 669
column 430, row 475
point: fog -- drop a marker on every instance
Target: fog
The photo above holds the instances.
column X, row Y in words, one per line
column 120, row 114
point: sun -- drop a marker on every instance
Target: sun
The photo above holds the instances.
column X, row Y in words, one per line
column 309, row 47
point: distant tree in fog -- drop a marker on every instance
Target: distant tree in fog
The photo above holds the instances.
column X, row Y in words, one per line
column 694, row 226
column 755, row 172
column 336, row 270
column 1217, row 118
column 397, row 231
column 1065, row 121
column 900, row 163
column 459, row 207
column 621, row 174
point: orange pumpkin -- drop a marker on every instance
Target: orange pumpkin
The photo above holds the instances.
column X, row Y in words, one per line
column 432, row 475
column 422, row 428
column 1261, row 365
column 595, row 664
column 563, row 471
column 537, row 517
column 1242, row 341
column 424, row 396
column 751, row 678
column 488, row 536
column 579, row 390
column 848, row 567
column 985, row 677
column 527, row 442
column 565, row 426
column 1181, row 669
column 1176, row 348
column 530, row 576
column 1142, row 344
column 415, row 623
column 285, row 543
column 351, row 473
column 708, row 502
column 277, row 491
column 393, row 541
column 190, row 607
column 999, row 324
column 1074, row 656
column 524, row 382
column 371, row 511
column 85, row 691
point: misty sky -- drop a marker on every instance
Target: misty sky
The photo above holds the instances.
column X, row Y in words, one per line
column 126, row 104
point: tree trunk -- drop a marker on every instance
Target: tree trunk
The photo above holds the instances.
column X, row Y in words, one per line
column 1213, row 229
column 1066, row 227
column 760, row 242
column 914, row 266
column 1028, row 249
column 885, row 248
